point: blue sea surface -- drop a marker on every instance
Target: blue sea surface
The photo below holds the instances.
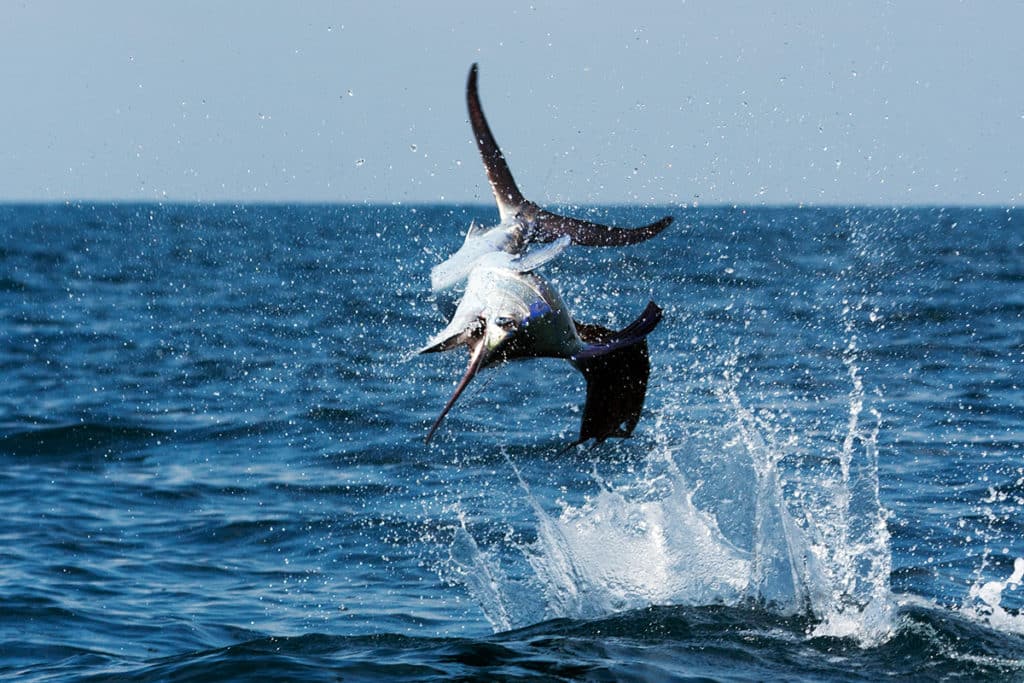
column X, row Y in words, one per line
column 212, row 463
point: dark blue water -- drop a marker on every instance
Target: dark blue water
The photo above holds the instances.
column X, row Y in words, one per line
column 212, row 461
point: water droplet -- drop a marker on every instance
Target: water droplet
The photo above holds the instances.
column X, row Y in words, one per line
column 412, row 148
column 360, row 162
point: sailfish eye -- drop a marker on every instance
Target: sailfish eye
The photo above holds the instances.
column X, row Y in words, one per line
column 504, row 322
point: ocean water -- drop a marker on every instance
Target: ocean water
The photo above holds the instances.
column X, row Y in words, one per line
column 212, row 463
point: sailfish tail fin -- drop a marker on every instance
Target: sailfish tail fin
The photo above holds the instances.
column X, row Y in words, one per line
column 616, row 366
column 541, row 225
column 506, row 192
column 548, row 226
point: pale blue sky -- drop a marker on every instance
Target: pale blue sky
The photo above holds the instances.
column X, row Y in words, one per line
column 593, row 103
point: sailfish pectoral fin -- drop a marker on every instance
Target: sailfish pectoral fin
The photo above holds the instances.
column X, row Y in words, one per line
column 475, row 362
column 549, row 226
column 538, row 256
column 506, row 193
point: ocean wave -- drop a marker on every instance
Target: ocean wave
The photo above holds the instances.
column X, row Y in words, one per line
column 708, row 643
column 78, row 440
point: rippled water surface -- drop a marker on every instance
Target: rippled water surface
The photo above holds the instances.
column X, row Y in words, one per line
column 212, row 462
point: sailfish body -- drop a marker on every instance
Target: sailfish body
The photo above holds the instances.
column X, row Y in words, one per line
column 523, row 223
column 509, row 312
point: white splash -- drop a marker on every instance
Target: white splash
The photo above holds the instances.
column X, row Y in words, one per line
column 851, row 540
column 777, row 573
column 824, row 553
column 617, row 552
column 986, row 602
column 483, row 577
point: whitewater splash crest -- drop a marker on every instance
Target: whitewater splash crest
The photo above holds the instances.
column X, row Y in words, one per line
column 824, row 555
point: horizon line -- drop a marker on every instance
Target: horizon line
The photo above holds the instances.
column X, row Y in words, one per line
column 479, row 205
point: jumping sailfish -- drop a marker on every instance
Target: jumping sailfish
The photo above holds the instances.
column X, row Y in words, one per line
column 509, row 312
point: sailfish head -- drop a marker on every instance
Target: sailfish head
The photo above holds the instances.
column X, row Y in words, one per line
column 487, row 340
column 507, row 311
